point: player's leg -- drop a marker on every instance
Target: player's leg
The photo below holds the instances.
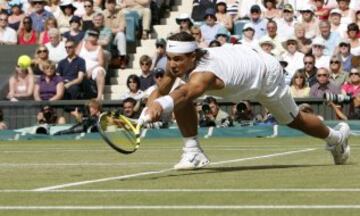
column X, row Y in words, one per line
column 284, row 109
column 193, row 156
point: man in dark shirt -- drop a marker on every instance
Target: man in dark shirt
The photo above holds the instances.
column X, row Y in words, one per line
column 146, row 77
column 72, row 69
column 309, row 69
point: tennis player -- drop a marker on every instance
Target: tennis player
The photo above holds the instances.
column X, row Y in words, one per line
column 234, row 73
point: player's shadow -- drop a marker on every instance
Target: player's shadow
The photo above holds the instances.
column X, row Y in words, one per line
column 217, row 170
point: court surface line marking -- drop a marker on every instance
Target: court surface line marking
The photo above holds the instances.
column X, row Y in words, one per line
column 228, row 190
column 72, row 184
column 179, row 207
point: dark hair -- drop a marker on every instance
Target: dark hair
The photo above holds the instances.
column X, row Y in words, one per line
column 28, row 18
column 272, row 22
column 145, row 58
column 214, row 43
column 309, row 55
column 353, row 27
column 210, row 100
column 71, row 41
column 134, row 78
column 186, row 37
column 90, row 1
column 129, row 100
column 1, row 115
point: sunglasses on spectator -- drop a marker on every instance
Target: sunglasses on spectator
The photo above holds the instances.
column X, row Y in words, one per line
column 308, row 63
column 299, row 77
column 318, row 46
column 35, row 3
column 334, row 62
column 159, row 46
column 357, row 74
column 88, row 6
column 3, row 19
column 195, row 33
column 69, row 47
column 344, row 45
column 42, row 51
column 145, row 63
column 322, row 75
column 159, row 75
column 131, row 81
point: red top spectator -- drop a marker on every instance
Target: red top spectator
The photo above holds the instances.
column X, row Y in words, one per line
column 27, row 36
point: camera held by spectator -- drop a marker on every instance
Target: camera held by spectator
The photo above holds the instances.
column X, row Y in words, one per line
column 242, row 113
column 337, row 98
column 211, row 115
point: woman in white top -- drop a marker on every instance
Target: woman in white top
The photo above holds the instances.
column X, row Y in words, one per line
column 93, row 55
column 21, row 85
column 347, row 14
column 222, row 17
column 133, row 84
column 352, row 32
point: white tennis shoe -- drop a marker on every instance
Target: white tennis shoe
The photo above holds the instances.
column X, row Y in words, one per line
column 192, row 160
column 341, row 150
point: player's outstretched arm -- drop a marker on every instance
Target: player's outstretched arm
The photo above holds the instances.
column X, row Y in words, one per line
column 195, row 87
column 163, row 88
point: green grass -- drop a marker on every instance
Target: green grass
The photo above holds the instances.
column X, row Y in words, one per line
column 29, row 165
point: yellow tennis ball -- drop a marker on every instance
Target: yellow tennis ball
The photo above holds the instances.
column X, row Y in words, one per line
column 24, row 61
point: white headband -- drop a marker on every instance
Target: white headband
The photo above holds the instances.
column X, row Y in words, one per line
column 181, row 47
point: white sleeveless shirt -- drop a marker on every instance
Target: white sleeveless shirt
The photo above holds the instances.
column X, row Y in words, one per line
column 241, row 68
column 89, row 56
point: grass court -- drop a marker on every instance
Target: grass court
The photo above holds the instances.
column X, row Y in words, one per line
column 248, row 176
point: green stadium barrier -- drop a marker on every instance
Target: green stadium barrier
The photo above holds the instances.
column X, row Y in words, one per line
column 238, row 131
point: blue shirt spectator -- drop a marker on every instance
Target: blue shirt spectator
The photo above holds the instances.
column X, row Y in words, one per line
column 40, row 15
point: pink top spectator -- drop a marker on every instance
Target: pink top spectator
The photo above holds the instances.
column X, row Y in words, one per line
column 351, row 88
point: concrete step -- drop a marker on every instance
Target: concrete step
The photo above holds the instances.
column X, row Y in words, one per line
column 163, row 31
column 112, row 96
column 119, row 89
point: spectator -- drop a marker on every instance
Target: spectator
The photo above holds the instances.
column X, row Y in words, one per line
column 345, row 55
column 26, row 34
column 39, row 15
column 353, row 86
column 292, row 55
column 272, row 34
column 347, row 13
column 213, row 115
column 159, row 60
column 337, row 75
column 72, row 69
column 318, row 47
column 210, row 28
column 352, row 32
column 242, row 113
column 310, row 21
column 248, row 36
column 222, row 17
column 93, row 54
column 105, row 36
column 129, row 108
column 115, row 20
column 336, row 25
column 68, row 10
column 303, row 42
column 49, row 87
column 7, row 34
column 185, row 23
column 158, row 75
column 331, row 39
column 354, row 109
column 48, row 115
column 199, row 9
column 323, row 84
column 196, row 33
column 50, row 23
column 146, row 77
column 56, row 46
column 17, row 15
column 287, row 22
column 214, row 43
column 133, row 83
column 271, row 12
column 267, row 45
column 309, row 69
column 244, row 8
column 298, row 86
column 54, row 8
column 87, row 18
column 322, row 12
column 232, row 9
column 3, row 125
column 75, row 34
column 257, row 21
column 143, row 9
column 41, row 56
column 5, row 6
column 223, row 36
column 21, row 85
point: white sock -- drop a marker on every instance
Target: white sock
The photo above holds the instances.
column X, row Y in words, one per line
column 334, row 137
column 191, row 143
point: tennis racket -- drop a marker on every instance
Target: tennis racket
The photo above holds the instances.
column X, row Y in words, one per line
column 119, row 132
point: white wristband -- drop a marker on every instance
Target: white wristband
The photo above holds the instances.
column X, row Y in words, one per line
column 166, row 103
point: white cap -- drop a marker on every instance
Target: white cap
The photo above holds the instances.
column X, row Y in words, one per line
column 249, row 25
column 307, row 7
column 318, row 41
column 267, row 40
column 220, row 1
column 183, row 16
column 336, row 11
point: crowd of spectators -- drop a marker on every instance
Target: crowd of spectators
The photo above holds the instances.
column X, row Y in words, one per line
column 316, row 41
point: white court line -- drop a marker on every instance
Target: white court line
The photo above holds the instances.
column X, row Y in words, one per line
column 179, row 207
column 229, row 190
column 11, row 165
column 161, row 171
